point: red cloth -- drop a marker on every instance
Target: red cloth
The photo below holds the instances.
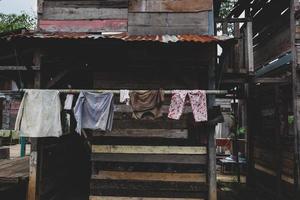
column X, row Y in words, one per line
column 224, row 142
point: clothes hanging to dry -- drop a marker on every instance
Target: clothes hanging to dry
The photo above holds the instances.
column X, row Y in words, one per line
column 124, row 96
column 147, row 104
column 197, row 100
column 69, row 102
column 94, row 111
column 39, row 114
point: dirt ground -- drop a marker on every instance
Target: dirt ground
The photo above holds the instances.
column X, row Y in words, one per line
column 230, row 189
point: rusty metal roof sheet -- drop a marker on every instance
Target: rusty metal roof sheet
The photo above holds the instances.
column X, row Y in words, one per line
column 122, row 36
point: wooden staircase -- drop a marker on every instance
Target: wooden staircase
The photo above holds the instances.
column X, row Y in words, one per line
column 149, row 159
column 119, row 171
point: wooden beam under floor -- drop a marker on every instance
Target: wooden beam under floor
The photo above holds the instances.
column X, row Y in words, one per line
column 136, row 198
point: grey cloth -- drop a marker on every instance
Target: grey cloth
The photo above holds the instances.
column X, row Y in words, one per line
column 39, row 114
column 94, row 111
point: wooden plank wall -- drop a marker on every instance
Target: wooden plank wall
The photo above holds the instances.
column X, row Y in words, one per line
column 156, row 66
column 271, row 31
column 147, row 17
column 83, row 16
column 159, row 158
column 273, row 155
column 295, row 35
column 143, row 16
column 152, row 65
column 278, row 45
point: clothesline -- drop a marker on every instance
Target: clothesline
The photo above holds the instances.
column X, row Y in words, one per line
column 208, row 92
column 39, row 114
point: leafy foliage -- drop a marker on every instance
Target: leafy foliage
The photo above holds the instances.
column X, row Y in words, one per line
column 226, row 7
column 11, row 22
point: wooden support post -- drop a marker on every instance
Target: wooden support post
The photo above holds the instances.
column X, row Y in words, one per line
column 34, row 163
column 32, row 186
column 278, row 158
column 237, row 48
column 211, row 172
column 250, row 130
column 225, row 28
column 40, row 6
column 235, row 145
column 249, row 48
column 296, row 97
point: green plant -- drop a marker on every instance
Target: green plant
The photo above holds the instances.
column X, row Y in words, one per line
column 11, row 22
column 291, row 119
column 241, row 131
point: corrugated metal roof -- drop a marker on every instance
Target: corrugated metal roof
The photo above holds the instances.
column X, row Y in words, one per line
column 122, row 36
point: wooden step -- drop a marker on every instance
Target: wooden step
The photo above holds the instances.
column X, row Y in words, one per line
column 200, row 150
column 145, row 133
column 150, row 158
column 151, row 176
column 152, row 124
column 148, row 167
column 146, row 185
column 148, row 188
column 111, row 183
column 136, row 198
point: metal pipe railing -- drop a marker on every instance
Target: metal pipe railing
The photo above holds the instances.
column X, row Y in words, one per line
column 209, row 92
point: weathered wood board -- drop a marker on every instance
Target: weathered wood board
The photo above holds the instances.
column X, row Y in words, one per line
column 149, row 158
column 14, row 170
column 170, row 5
column 148, row 149
column 87, row 3
column 136, row 198
column 146, row 187
column 145, row 133
column 167, row 23
column 83, row 25
column 150, row 176
column 280, row 44
column 73, row 13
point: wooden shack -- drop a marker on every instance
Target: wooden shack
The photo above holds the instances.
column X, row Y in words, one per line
column 124, row 44
column 273, row 133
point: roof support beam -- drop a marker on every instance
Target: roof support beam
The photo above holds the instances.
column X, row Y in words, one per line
column 282, row 61
column 19, row 68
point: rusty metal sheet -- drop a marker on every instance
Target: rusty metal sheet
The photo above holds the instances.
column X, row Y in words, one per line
column 122, row 36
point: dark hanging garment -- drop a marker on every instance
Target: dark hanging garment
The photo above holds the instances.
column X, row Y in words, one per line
column 146, row 104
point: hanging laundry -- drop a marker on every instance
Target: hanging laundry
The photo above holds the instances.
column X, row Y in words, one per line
column 39, row 114
column 94, row 111
column 147, row 104
column 68, row 102
column 124, row 96
column 197, row 100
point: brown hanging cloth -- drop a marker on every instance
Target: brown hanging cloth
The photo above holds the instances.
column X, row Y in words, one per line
column 146, row 105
